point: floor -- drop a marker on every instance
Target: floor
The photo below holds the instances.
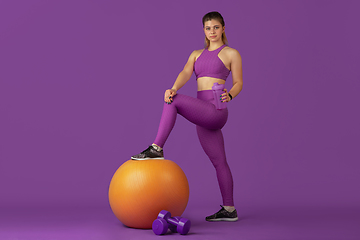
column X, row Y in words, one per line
column 305, row 223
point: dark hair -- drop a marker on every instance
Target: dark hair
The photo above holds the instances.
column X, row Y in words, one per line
column 213, row 15
column 216, row 16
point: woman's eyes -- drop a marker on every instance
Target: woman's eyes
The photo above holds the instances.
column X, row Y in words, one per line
column 209, row 28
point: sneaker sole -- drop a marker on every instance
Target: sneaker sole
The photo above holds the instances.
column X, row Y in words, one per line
column 223, row 219
column 160, row 158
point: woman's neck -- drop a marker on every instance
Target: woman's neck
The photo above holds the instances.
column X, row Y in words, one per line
column 215, row 45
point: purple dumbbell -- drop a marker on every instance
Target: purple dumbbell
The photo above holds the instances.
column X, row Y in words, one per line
column 173, row 227
column 161, row 224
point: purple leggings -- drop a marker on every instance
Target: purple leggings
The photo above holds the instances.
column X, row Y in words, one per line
column 209, row 121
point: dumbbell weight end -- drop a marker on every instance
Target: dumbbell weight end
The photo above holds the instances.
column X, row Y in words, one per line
column 183, row 226
column 160, row 226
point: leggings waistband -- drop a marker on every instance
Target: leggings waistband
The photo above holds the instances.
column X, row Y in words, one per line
column 206, row 95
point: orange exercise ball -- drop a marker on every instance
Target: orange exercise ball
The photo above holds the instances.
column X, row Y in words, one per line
column 139, row 190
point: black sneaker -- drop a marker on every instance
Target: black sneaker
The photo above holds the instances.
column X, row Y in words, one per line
column 223, row 215
column 149, row 153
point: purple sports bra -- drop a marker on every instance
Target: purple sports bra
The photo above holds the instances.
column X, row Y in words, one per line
column 208, row 64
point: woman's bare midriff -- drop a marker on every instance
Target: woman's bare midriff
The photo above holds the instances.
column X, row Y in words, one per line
column 206, row 83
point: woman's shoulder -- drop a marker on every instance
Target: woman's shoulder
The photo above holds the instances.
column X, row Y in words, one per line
column 196, row 53
column 231, row 52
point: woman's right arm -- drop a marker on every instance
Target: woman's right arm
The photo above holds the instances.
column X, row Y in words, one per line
column 182, row 78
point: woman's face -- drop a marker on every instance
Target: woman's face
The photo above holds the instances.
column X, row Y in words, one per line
column 213, row 30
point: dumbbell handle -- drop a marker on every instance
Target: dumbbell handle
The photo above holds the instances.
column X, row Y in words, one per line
column 172, row 221
column 182, row 225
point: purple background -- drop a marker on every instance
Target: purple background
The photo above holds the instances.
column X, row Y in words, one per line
column 81, row 90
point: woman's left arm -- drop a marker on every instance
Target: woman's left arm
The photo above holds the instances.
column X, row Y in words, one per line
column 236, row 70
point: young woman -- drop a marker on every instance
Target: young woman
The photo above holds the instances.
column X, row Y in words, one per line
column 211, row 65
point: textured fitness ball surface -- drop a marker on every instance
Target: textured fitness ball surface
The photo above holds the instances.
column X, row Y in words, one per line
column 139, row 190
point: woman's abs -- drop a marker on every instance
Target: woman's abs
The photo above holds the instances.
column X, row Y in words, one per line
column 206, row 83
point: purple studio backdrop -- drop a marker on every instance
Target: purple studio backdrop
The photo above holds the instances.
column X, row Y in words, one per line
column 82, row 83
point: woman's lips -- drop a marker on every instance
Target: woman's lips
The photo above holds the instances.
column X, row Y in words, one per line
column 213, row 36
